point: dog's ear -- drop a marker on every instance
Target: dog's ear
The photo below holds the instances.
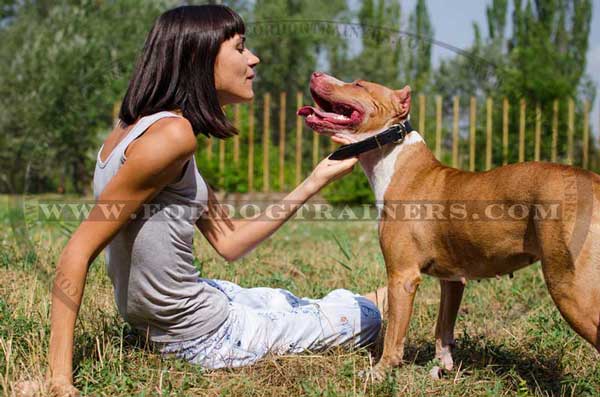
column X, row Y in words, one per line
column 402, row 101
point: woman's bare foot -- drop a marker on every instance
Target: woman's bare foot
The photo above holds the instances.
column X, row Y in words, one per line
column 379, row 298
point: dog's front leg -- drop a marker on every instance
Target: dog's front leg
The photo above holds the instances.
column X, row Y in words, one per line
column 451, row 295
column 402, row 288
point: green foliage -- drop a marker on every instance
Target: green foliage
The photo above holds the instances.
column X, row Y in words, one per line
column 419, row 59
column 540, row 60
column 12, row 324
column 290, row 38
column 287, row 38
column 64, row 65
column 379, row 59
column 547, row 50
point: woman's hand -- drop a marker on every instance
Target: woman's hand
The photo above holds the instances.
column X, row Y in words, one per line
column 329, row 170
column 61, row 387
column 56, row 387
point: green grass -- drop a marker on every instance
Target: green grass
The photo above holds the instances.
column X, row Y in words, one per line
column 511, row 340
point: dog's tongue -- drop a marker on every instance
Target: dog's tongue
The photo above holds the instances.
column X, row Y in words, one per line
column 305, row 111
column 308, row 110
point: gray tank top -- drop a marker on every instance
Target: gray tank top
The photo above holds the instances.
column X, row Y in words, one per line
column 150, row 260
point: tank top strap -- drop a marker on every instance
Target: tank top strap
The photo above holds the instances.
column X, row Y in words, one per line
column 140, row 127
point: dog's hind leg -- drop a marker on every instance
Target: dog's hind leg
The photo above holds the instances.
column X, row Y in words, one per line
column 450, row 298
column 576, row 291
column 578, row 302
column 570, row 252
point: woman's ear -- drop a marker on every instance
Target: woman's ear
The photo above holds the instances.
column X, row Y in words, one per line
column 402, row 101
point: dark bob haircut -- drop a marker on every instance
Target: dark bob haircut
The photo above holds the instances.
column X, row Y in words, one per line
column 176, row 68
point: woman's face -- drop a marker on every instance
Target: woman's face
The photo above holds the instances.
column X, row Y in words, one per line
column 234, row 71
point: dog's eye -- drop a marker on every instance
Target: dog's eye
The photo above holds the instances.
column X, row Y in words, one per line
column 357, row 84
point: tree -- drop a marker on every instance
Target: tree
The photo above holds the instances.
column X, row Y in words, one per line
column 64, row 65
column 548, row 48
column 290, row 36
column 542, row 59
column 379, row 59
column 419, row 52
column 496, row 19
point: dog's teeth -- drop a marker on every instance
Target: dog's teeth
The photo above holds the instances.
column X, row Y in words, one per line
column 340, row 117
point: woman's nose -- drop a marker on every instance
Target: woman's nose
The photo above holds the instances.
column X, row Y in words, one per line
column 253, row 59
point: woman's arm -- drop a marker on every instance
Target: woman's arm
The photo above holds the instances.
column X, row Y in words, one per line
column 233, row 238
column 156, row 160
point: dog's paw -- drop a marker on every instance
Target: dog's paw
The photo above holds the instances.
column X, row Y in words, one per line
column 376, row 374
column 436, row 373
column 445, row 357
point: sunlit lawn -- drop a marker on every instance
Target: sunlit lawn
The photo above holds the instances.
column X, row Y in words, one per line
column 511, row 339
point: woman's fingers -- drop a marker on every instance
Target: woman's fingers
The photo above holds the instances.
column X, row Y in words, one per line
column 28, row 388
column 342, row 164
column 338, row 140
column 341, row 140
column 329, row 170
column 53, row 388
column 338, row 168
column 346, row 162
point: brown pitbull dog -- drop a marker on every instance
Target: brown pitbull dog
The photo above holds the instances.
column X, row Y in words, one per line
column 457, row 225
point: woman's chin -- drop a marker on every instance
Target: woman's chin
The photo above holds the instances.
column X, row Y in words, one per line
column 231, row 98
column 247, row 97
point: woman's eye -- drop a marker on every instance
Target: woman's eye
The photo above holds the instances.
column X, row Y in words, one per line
column 241, row 49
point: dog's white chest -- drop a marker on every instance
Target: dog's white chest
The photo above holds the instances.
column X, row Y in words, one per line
column 379, row 166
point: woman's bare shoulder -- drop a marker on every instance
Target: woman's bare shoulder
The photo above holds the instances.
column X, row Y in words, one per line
column 173, row 134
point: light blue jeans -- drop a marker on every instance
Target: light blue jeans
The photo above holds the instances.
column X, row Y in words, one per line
column 270, row 320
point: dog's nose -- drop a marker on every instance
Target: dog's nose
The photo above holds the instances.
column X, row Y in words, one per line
column 317, row 74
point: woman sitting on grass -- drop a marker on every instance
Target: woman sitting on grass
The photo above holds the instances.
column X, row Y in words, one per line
column 194, row 62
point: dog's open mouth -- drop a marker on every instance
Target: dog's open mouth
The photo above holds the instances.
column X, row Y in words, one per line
column 330, row 115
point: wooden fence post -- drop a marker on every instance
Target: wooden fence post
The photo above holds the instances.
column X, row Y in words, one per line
column 488, row 129
column 538, row 125
column 116, row 110
column 472, row 132
column 505, row 109
column 554, row 155
column 422, row 115
column 455, row 132
column 282, row 107
column 438, row 127
column 522, row 110
column 266, row 133
column 299, row 122
column 221, row 162
column 236, row 139
column 570, row 131
column 209, row 145
column 251, row 147
column 586, row 132
column 538, row 131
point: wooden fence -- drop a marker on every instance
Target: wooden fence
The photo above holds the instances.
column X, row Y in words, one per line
column 492, row 130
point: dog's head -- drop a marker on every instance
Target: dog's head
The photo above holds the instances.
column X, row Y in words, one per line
column 354, row 110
